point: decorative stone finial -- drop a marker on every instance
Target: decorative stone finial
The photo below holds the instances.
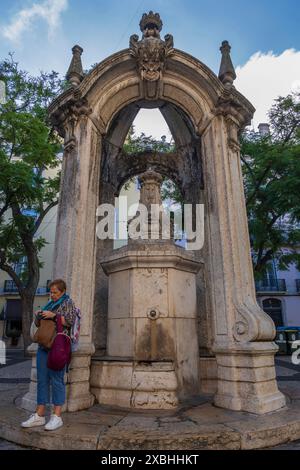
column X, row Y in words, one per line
column 150, row 188
column 75, row 73
column 150, row 197
column 227, row 73
column 151, row 21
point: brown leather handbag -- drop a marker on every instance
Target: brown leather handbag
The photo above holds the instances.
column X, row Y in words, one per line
column 45, row 333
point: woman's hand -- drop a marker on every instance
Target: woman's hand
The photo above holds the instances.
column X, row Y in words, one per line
column 46, row 314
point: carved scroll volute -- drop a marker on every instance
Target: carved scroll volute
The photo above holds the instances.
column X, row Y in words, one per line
column 66, row 119
column 235, row 109
column 70, row 139
column 252, row 323
column 232, row 132
column 151, row 53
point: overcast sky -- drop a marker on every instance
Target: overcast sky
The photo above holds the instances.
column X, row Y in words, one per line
column 264, row 35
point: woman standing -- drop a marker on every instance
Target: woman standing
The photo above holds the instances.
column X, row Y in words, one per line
column 60, row 304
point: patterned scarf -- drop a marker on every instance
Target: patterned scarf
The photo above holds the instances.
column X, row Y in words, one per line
column 51, row 305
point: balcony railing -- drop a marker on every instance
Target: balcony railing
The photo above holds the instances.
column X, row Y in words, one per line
column 298, row 285
column 10, row 286
column 276, row 285
column 43, row 290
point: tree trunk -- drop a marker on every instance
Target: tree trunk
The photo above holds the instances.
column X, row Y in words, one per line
column 27, row 300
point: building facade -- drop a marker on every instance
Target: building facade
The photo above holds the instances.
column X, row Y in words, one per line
column 10, row 303
column 279, row 295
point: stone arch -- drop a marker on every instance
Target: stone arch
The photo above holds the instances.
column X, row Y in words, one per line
column 187, row 84
column 142, row 161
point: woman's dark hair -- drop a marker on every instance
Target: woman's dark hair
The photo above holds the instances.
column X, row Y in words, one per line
column 59, row 283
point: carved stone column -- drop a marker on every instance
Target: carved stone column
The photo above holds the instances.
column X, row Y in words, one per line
column 243, row 332
column 75, row 243
column 107, row 196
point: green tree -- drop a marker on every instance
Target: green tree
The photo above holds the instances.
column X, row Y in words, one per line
column 28, row 147
column 142, row 143
column 271, row 169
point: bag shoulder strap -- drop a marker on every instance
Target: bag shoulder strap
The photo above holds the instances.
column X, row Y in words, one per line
column 59, row 324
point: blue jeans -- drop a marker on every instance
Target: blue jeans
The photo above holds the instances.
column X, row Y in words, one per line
column 45, row 377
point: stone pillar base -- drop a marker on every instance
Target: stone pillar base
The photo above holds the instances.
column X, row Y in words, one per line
column 247, row 378
column 79, row 396
column 208, row 374
column 82, row 402
column 29, row 399
column 29, row 402
column 128, row 384
column 78, row 392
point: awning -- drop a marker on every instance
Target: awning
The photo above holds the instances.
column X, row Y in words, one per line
column 13, row 309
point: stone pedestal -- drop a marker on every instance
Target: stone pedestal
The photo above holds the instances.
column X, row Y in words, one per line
column 151, row 328
column 132, row 384
column 247, row 378
column 208, row 372
column 79, row 396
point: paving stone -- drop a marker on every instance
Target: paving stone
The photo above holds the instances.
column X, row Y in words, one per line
column 6, row 445
column 289, row 446
column 204, row 437
column 138, row 423
column 268, row 430
column 209, row 413
column 70, row 436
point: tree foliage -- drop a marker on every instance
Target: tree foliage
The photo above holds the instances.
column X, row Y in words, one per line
column 142, row 143
column 271, row 169
column 28, row 149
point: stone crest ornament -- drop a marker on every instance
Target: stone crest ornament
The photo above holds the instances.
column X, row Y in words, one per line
column 151, row 53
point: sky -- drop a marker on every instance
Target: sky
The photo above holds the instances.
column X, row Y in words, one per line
column 264, row 35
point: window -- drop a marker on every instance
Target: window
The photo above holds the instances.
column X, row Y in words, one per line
column 13, row 317
column 273, row 307
column 270, row 277
column 21, row 266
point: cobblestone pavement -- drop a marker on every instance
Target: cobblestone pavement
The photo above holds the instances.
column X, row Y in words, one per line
column 13, row 356
column 15, row 371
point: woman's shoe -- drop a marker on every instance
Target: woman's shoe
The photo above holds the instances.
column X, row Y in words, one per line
column 54, row 423
column 34, row 420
